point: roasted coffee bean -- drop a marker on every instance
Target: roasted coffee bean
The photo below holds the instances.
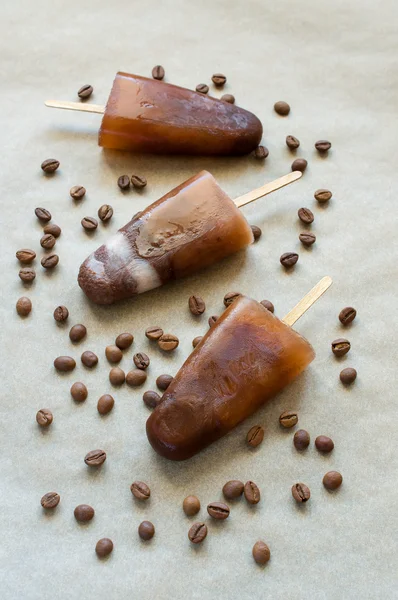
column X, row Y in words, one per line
column 288, row 418
column 77, row 333
column 196, row 340
column 47, row 241
column 257, row 233
column 124, row 340
column 146, row 529
column 322, row 195
column 292, row 142
column 305, row 215
column 124, row 182
column 196, row 305
column 113, row 354
column 85, row 91
column 52, row 228
column 49, row 262
column 61, row 313
column 251, row 492
column 89, row 359
column 27, row 274
column 77, row 192
column 44, row 417
column 140, row 490
column 95, row 458
column 168, row 342
column 79, row 392
column 64, row 363
column 154, row 332
column 261, row 553
column 104, row 547
column 307, row 238
column 163, row 382
column 212, row 320
column 300, row 164
column 50, row 165
column 332, row 480
column 197, row 533
column 151, row 399
column 300, row 492
column 282, row 108
column 141, row 360
column 348, row 376
column 233, row 489
column 218, row 510
column 43, row 214
column 323, row 443
column 289, row 259
column 301, row 439
column 89, row 223
column 23, row 306
column 261, row 152
column 347, row 315
column 105, row 404
column 117, row 376
column 105, row 212
column 50, row 500
column 136, row 377
column 25, row 256
column 255, row 436
column 202, row 88
column 231, row 297
column 158, row 72
column 191, row 506
column 219, row 79
column 323, row 145
column 83, row 513
column 268, row 305
column 138, row 181
column 228, row 98
column 340, row 346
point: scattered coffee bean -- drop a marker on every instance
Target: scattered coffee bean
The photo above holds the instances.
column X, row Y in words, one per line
column 43, row 214
column 49, row 262
column 50, row 165
column 79, row 392
column 163, row 382
column 219, row 79
column 154, row 332
column 268, row 305
column 151, row 399
column 323, row 443
column 95, row 458
column 261, row 152
column 158, row 72
column 300, row 164
column 113, row 354
column 196, row 305
column 89, row 223
column 233, row 489
column 89, row 359
column 332, row 480
column 47, row 241
column 307, row 238
column 340, row 347
column 301, row 439
column 212, row 320
column 44, row 417
column 261, row 553
column 197, row 533
column 105, row 212
column 168, row 342
column 117, row 376
column 141, row 360
column 25, row 256
column 228, row 98
column 289, row 259
column 105, row 404
column 23, row 306
column 50, row 500
column 305, row 215
column 52, row 228
column 77, row 333
column 322, row 195
column 300, row 492
column 104, row 547
column 323, row 145
column 146, row 529
column 64, row 363
column 251, row 492
column 85, row 91
column 218, row 510
column 196, row 340
column 347, row 315
column 255, row 436
column 191, row 506
column 140, row 490
column 138, row 182
column 124, row 340
column 202, row 88
column 288, row 418
column 27, row 274
column 83, row 513
column 136, row 377
column 61, row 313
column 231, row 297
column 124, row 182
column 292, row 142
column 77, row 192
column 282, row 108
column 348, row 376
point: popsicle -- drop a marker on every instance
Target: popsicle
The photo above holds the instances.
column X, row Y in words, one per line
column 146, row 115
column 243, row 361
column 191, row 227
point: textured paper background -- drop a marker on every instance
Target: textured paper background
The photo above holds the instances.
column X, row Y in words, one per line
column 336, row 65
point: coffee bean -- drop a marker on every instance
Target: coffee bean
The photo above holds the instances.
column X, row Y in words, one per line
column 255, row 436
column 89, row 223
column 151, row 399
column 113, row 354
column 49, row 262
column 105, row 404
column 212, row 320
column 282, row 108
column 196, row 305
column 64, row 363
column 89, row 359
column 300, row 164
column 322, row 195
column 292, row 142
column 43, row 214
column 348, row 376
column 300, row 492
column 50, row 165
column 301, row 439
column 141, row 360
column 197, row 533
column 85, row 91
column 340, row 346
column 347, row 315
column 52, row 228
column 124, row 182
column 23, row 306
column 219, row 79
column 77, row 192
column 83, row 513
column 124, row 340
column 158, row 72
column 146, row 530
column 140, row 490
column 307, row 238
column 233, row 489
column 104, row 547
column 196, row 340
column 218, row 510
column 323, row 145
column 95, row 458
column 50, row 500
column 251, row 492
column 47, row 241
column 261, row 152
column 231, row 297
column 154, row 332
column 25, row 256
column 257, row 233
column 289, row 259
column 228, row 98
column 191, row 506
column 77, row 333
column 202, row 88
column 27, row 274
column 268, row 305
column 305, row 215
column 323, row 443
column 288, row 418
column 163, row 382
column 61, row 313
column 261, row 553
column 168, row 342
column 79, row 392
column 332, row 480
column 44, row 417
column 136, row 377
column 105, row 212
column 138, row 181
column 117, row 376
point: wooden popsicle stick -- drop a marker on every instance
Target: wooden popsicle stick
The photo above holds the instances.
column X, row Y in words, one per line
column 308, row 300
column 92, row 108
column 272, row 186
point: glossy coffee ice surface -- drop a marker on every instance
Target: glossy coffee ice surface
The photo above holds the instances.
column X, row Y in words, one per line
column 246, row 358
column 146, row 115
column 191, row 227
